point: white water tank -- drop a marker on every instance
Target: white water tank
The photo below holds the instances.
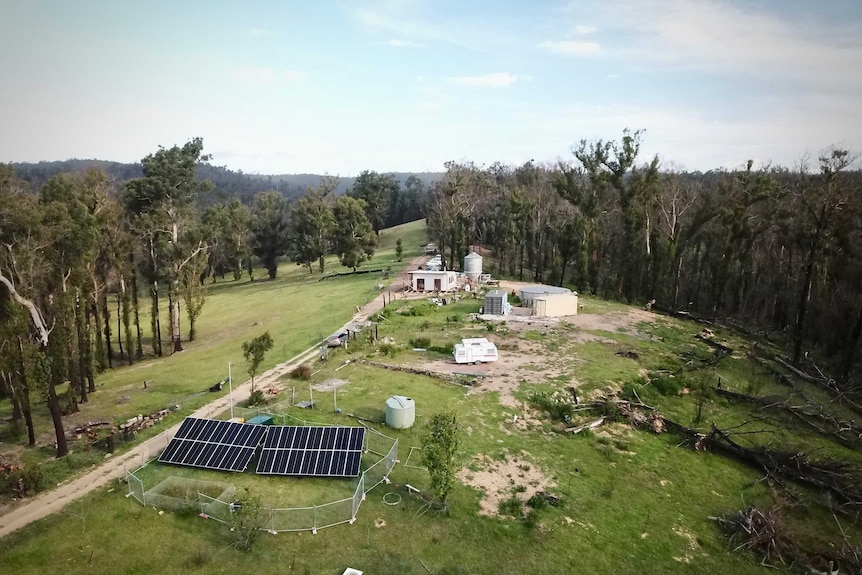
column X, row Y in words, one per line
column 473, row 266
column 400, row 412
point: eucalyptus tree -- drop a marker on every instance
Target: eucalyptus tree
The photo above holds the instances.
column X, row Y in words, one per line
column 819, row 198
column 353, row 239
column 311, row 229
column 269, row 228
column 162, row 203
column 377, row 190
column 31, row 276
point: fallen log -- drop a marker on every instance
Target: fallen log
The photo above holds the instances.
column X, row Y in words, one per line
column 591, row 425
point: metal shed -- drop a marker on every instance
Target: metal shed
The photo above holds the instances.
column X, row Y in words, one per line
column 497, row 303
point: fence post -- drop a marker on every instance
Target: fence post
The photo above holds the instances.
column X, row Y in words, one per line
column 314, row 526
column 272, row 520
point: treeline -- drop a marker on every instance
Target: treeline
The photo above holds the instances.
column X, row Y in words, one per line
column 84, row 253
column 776, row 249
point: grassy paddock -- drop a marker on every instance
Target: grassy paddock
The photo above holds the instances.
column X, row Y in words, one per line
column 631, row 501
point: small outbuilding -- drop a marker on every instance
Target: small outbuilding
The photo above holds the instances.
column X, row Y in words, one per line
column 549, row 301
column 497, row 303
column 433, row 280
column 260, row 420
column 555, row 305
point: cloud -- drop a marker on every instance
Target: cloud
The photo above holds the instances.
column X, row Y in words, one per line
column 259, row 33
column 583, row 30
column 255, row 74
column 293, row 75
column 572, row 47
column 265, row 75
column 719, row 37
column 396, row 43
column 497, row 80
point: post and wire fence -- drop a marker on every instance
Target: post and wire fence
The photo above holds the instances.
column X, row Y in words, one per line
column 218, row 501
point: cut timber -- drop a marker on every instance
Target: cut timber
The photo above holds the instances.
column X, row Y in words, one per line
column 590, row 425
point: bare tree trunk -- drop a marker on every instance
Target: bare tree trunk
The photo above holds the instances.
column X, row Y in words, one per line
column 91, row 382
column 57, row 419
column 802, row 307
column 120, row 325
column 83, row 354
column 155, row 321
column 139, row 348
column 106, row 316
column 125, row 314
column 101, row 356
column 24, row 395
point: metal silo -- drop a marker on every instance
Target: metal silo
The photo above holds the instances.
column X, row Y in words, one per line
column 473, row 266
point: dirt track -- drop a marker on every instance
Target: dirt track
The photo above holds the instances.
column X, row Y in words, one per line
column 55, row 500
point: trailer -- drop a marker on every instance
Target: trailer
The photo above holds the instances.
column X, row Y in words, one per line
column 475, row 350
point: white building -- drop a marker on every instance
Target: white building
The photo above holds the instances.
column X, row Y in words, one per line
column 549, row 301
column 431, row 280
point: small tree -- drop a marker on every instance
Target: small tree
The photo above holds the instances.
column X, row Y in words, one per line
column 254, row 352
column 439, row 454
column 702, row 392
column 247, row 521
column 399, row 249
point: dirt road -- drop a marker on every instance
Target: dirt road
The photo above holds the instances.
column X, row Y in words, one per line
column 114, row 467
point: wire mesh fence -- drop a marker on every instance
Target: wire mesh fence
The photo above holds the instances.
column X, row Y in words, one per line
column 217, row 501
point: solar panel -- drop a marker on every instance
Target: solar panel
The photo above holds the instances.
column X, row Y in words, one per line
column 213, row 444
column 312, row 451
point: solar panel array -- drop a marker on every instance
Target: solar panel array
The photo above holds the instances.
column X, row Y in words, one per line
column 312, row 451
column 213, row 444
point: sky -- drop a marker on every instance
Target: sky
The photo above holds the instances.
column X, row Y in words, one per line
column 294, row 86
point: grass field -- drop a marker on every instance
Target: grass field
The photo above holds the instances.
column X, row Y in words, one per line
column 629, row 501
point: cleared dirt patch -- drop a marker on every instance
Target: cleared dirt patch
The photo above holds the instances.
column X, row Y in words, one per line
column 501, row 480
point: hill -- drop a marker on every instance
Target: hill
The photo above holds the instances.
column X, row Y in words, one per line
column 228, row 183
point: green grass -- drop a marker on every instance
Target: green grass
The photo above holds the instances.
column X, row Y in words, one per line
column 632, row 502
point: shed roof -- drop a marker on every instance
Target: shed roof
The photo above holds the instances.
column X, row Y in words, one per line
column 543, row 289
column 496, row 293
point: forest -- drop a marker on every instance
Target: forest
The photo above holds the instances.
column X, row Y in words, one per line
column 772, row 250
column 84, row 252
column 765, row 249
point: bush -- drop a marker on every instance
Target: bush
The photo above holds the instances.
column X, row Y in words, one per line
column 387, row 349
column 667, row 385
column 421, row 342
column 22, row 482
column 256, row 398
column 425, row 325
column 559, row 409
column 447, row 349
column 418, row 310
column 511, row 507
column 301, row 372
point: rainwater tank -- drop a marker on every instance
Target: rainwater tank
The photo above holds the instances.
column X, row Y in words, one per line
column 473, row 266
column 400, row 412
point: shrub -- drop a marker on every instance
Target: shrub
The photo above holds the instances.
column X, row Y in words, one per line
column 511, row 507
column 667, row 385
column 418, row 310
column 301, row 372
column 559, row 409
column 447, row 349
column 387, row 349
column 425, row 325
column 489, row 327
column 256, row 398
column 422, row 342
column 22, row 482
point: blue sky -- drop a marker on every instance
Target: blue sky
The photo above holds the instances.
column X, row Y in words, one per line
column 288, row 87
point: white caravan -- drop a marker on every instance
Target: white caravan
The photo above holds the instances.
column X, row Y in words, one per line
column 475, row 350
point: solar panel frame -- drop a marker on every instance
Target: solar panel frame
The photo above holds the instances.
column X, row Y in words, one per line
column 320, row 451
column 214, row 444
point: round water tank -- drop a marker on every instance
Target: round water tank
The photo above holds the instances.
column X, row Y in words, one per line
column 400, row 412
column 473, row 265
